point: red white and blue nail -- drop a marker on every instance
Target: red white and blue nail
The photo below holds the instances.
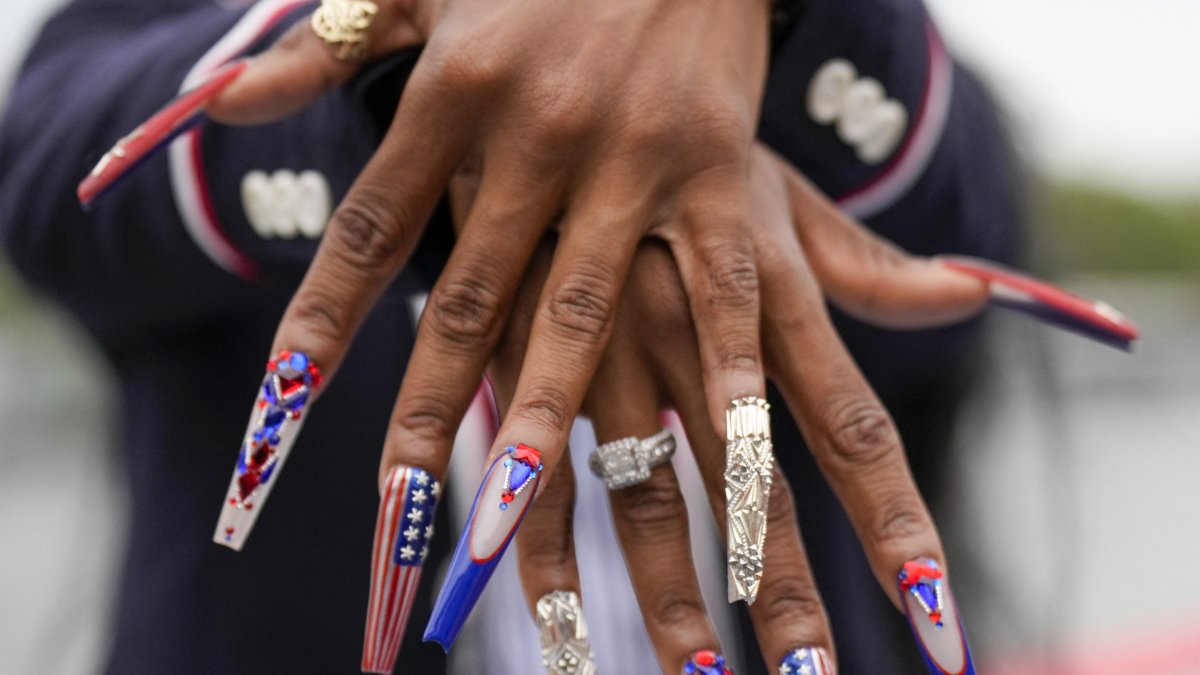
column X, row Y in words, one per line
column 500, row 505
column 403, row 530
column 929, row 607
column 706, row 662
column 806, row 661
column 1047, row 303
column 275, row 421
column 181, row 114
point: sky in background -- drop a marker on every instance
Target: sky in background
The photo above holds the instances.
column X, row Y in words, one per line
column 1101, row 90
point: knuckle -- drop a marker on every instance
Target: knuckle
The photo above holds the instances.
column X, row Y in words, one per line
column 899, row 522
column 471, row 69
column 427, row 418
column 651, row 508
column 790, row 600
column 546, row 406
column 466, row 308
column 675, row 605
column 861, row 432
column 581, row 306
column 732, row 276
column 365, row 234
column 320, row 314
column 738, row 352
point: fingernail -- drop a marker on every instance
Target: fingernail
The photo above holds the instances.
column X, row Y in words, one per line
column 1047, row 303
column 564, row 635
column 176, row 117
column 932, row 615
column 806, row 661
column 403, row 529
column 500, row 505
column 706, row 662
column 275, row 422
column 748, row 465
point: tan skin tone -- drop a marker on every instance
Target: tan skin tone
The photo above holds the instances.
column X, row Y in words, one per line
column 613, row 122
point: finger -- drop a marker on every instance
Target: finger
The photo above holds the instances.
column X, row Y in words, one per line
column 567, row 335
column 865, row 275
column 719, row 271
column 368, row 239
column 650, row 515
column 859, row 450
column 550, row 577
column 300, row 67
column 788, row 616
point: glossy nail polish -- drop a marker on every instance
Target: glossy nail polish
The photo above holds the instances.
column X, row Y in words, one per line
column 1047, row 303
column 806, row 661
column 706, row 662
column 181, row 114
column 564, row 635
column 275, row 421
column 403, row 530
column 929, row 607
column 503, row 498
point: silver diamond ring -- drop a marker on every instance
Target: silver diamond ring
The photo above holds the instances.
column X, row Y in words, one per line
column 626, row 462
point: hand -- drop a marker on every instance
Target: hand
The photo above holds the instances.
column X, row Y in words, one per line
column 614, row 120
column 652, row 363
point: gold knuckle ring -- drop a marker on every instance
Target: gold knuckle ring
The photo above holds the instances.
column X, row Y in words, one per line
column 343, row 25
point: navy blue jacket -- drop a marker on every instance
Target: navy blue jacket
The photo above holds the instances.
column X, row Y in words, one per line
column 183, row 294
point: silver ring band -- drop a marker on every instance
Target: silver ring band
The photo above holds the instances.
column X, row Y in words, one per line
column 628, row 461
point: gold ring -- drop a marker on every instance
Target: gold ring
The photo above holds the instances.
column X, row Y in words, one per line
column 343, row 25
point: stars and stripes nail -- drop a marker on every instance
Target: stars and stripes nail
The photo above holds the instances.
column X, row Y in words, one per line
column 403, row 530
column 275, row 421
column 806, row 661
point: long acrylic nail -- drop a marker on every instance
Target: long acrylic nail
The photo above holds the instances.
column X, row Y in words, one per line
column 403, row 529
column 275, row 422
column 564, row 635
column 929, row 607
column 181, row 114
column 500, row 505
column 706, row 662
column 749, row 462
column 806, row 661
column 1047, row 303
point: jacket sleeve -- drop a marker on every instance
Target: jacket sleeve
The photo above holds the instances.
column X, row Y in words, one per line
column 173, row 245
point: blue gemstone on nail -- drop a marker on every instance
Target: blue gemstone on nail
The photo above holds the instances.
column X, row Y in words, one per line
column 503, row 506
column 520, row 474
column 298, row 361
column 508, row 462
column 927, row 593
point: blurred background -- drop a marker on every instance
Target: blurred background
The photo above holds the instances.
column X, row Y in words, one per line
column 1077, row 504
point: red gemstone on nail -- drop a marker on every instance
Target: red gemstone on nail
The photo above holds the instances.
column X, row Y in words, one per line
column 935, row 617
column 506, row 497
column 705, row 658
column 246, row 484
column 229, row 531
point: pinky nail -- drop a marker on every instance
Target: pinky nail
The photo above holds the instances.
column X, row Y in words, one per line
column 806, row 661
column 1048, row 303
column 933, row 616
column 706, row 662
column 500, row 505
column 403, row 529
column 275, row 422
column 181, row 114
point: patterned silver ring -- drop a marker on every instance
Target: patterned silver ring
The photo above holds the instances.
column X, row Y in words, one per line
column 626, row 462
